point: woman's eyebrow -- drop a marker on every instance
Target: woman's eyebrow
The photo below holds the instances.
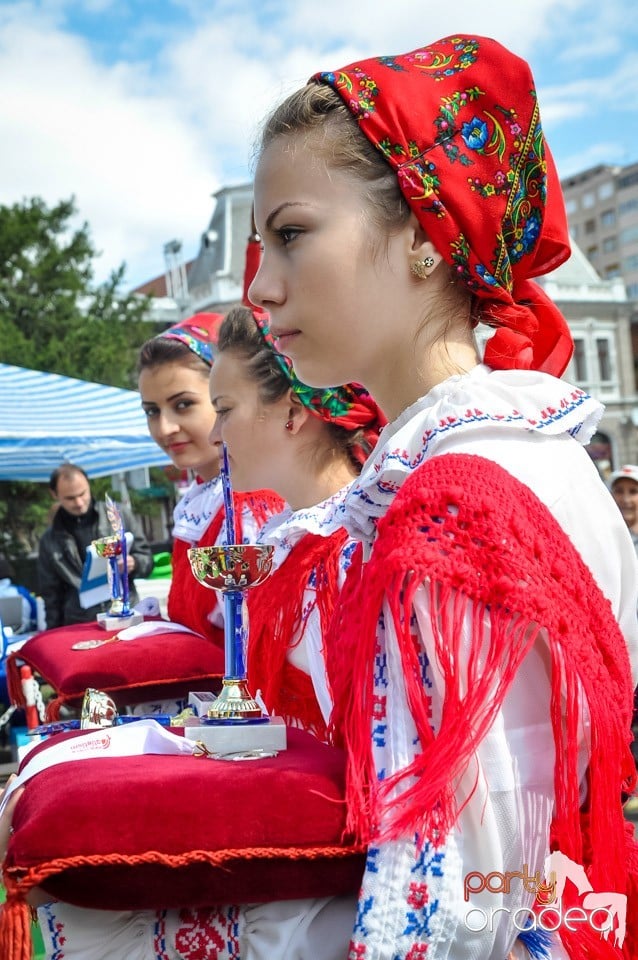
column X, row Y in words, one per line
column 282, row 206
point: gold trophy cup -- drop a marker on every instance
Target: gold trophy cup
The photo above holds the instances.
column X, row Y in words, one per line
column 231, row 570
column 111, row 548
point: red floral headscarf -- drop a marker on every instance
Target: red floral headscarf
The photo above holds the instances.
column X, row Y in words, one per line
column 199, row 333
column 459, row 123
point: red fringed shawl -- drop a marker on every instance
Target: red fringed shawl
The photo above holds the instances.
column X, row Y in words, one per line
column 472, row 534
column 189, row 602
column 276, row 614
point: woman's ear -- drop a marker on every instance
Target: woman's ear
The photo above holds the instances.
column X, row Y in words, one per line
column 422, row 250
column 297, row 413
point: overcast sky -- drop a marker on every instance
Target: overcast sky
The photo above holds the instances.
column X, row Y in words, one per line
column 142, row 109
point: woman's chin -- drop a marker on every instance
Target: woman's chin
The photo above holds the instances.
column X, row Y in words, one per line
column 318, row 377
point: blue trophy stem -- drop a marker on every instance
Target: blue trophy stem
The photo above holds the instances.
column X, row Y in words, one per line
column 234, row 634
column 125, row 590
column 115, row 578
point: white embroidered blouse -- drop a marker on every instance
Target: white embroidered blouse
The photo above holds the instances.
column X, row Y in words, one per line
column 412, row 901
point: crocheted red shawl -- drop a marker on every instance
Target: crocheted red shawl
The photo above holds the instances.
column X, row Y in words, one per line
column 276, row 614
column 474, row 535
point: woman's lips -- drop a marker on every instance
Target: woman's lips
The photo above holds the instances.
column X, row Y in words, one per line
column 284, row 338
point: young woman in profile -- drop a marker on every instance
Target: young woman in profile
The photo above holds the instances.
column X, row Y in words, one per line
column 309, row 446
column 487, row 625
column 173, row 372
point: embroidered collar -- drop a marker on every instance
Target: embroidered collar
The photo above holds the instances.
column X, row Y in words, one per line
column 483, row 399
column 286, row 529
column 196, row 509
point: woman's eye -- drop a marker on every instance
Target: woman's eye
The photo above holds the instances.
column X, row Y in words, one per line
column 288, row 234
column 222, row 411
column 149, row 412
column 183, row 404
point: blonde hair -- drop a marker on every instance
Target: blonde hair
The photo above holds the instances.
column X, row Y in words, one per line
column 317, row 109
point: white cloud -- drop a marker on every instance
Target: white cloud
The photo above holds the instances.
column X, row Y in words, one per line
column 142, row 141
column 76, row 127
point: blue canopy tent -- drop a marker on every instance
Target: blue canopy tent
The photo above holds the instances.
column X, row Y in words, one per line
column 46, row 419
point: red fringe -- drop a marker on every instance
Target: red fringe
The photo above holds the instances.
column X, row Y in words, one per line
column 15, row 927
column 263, row 504
column 14, row 685
column 275, row 614
column 476, row 536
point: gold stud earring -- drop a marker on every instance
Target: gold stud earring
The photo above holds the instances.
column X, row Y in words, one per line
column 420, row 268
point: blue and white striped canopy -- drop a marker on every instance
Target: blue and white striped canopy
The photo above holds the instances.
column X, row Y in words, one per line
column 46, row 419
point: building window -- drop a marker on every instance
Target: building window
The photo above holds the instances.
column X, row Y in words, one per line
column 574, row 232
column 606, row 190
column 592, row 253
column 609, row 244
column 628, row 207
column 580, row 360
column 571, row 205
column 630, row 235
column 594, row 362
column 613, row 270
column 603, row 351
column 631, row 263
column 590, row 226
column 589, row 199
column 632, row 291
column 628, row 180
column 608, row 218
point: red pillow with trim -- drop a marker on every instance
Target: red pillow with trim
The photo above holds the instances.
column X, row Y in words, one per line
column 153, row 831
column 156, row 667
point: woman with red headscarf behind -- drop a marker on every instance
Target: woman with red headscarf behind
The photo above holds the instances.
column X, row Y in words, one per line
column 482, row 685
column 309, row 445
column 173, row 372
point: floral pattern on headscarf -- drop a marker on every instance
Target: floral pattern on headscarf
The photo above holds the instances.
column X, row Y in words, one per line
column 199, row 333
column 459, row 123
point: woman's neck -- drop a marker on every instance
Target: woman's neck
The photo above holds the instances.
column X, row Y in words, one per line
column 208, row 473
column 413, row 373
column 311, row 487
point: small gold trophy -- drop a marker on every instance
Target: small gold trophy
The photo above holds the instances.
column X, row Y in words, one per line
column 114, row 549
column 235, row 721
column 231, row 570
column 111, row 548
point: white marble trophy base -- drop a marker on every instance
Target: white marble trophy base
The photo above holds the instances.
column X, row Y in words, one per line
column 109, row 621
column 228, row 737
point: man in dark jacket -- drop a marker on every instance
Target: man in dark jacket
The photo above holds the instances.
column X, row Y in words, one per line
column 78, row 520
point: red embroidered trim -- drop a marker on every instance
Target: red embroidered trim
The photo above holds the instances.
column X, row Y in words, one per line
column 276, row 614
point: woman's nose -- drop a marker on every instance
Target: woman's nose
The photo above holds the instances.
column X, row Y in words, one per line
column 166, row 426
column 264, row 291
column 215, row 436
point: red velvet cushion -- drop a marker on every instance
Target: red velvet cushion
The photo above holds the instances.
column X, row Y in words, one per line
column 160, row 666
column 170, row 831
